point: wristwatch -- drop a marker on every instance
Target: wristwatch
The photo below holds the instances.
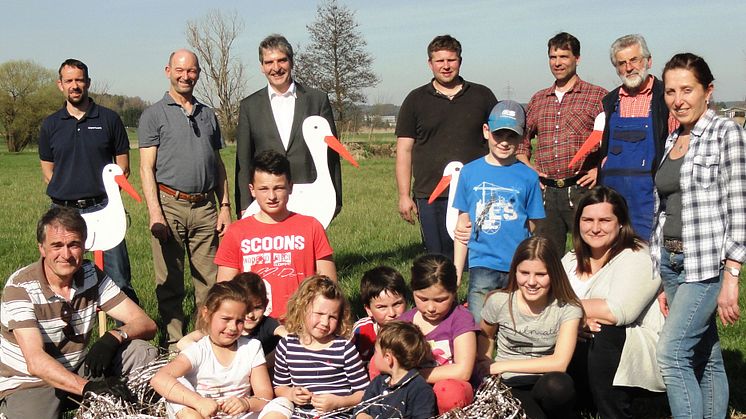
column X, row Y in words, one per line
column 733, row 271
column 122, row 334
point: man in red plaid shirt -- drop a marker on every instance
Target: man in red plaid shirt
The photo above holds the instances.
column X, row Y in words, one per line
column 561, row 118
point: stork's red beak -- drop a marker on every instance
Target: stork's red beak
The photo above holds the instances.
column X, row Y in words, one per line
column 337, row 146
column 594, row 139
column 123, row 183
column 445, row 181
column 98, row 259
column 590, row 143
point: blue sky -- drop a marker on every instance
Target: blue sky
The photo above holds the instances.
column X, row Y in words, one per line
column 126, row 44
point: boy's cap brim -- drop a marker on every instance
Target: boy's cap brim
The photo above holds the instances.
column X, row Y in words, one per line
column 507, row 114
column 505, row 123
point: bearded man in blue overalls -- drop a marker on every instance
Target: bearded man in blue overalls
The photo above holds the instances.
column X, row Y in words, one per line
column 637, row 124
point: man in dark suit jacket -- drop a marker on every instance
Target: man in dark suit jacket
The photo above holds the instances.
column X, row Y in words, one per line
column 272, row 118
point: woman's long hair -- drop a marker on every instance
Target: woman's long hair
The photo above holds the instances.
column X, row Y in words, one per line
column 541, row 249
column 627, row 238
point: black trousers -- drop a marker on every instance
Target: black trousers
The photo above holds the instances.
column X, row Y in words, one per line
column 593, row 368
column 552, row 396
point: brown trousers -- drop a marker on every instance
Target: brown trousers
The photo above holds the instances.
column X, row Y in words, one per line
column 192, row 233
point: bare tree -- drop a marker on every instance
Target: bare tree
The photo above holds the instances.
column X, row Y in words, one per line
column 27, row 94
column 223, row 84
column 336, row 60
column 99, row 87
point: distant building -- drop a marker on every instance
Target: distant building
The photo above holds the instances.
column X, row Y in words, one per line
column 389, row 120
column 735, row 113
column 381, row 121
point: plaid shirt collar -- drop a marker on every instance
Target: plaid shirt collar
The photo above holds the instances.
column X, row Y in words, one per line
column 704, row 121
column 647, row 90
column 576, row 88
column 713, row 197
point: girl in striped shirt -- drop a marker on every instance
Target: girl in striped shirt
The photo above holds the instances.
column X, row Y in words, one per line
column 316, row 366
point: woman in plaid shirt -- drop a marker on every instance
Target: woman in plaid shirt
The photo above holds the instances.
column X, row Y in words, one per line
column 699, row 239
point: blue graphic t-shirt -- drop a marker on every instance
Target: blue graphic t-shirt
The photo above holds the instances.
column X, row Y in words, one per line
column 500, row 200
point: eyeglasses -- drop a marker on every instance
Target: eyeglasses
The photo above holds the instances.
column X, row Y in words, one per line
column 634, row 62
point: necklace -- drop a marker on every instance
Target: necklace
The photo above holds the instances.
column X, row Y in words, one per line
column 229, row 346
column 450, row 96
column 681, row 143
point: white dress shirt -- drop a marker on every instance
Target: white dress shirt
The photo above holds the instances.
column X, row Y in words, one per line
column 283, row 109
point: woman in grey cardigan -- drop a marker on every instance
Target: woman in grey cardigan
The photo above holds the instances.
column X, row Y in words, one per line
column 611, row 272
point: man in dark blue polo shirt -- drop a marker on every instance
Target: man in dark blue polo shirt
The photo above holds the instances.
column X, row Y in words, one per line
column 75, row 144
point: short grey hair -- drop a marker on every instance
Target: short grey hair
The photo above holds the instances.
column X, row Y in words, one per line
column 278, row 42
column 628, row 41
column 68, row 218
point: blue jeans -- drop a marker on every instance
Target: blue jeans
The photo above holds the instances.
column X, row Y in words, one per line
column 689, row 348
column 481, row 282
column 116, row 260
column 435, row 235
column 117, row 266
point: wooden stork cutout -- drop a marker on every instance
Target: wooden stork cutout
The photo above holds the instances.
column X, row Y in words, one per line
column 107, row 226
column 593, row 139
column 449, row 180
column 317, row 199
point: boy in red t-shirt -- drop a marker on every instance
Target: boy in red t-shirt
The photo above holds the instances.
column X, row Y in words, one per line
column 283, row 247
column 383, row 292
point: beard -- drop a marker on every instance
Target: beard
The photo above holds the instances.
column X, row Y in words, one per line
column 634, row 81
column 78, row 100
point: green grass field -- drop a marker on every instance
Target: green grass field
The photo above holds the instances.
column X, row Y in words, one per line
column 374, row 137
column 367, row 233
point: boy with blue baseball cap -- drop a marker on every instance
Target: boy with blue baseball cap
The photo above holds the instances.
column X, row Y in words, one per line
column 501, row 197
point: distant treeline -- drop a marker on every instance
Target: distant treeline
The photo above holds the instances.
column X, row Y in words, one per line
column 29, row 93
column 129, row 108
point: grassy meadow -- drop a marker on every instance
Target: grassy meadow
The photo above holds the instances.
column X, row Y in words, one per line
column 367, row 233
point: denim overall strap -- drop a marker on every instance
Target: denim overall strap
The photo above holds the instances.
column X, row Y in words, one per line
column 629, row 166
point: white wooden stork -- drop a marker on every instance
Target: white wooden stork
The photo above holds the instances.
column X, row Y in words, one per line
column 107, row 226
column 317, row 199
column 449, row 180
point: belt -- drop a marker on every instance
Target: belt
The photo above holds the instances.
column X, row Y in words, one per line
column 560, row 183
column 183, row 196
column 673, row 245
column 82, row 203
